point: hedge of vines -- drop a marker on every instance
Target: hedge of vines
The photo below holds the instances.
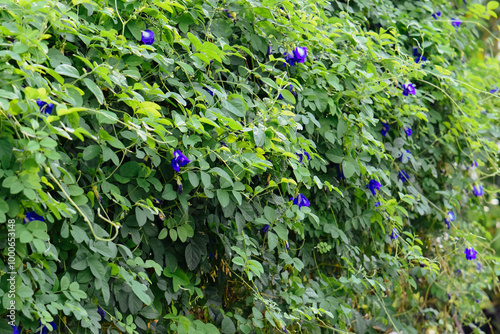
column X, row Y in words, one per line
column 250, row 166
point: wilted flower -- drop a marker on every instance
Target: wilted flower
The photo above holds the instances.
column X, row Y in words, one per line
column 265, row 228
column 45, row 107
column 408, row 89
column 147, row 37
column 494, row 90
column 470, row 253
column 300, row 200
column 394, row 234
column 436, row 15
column 373, row 185
column 179, row 161
column 385, row 129
column 479, row 191
column 403, row 176
column 101, row 313
column 456, row 23
column 408, row 131
column 32, row 215
column 450, row 216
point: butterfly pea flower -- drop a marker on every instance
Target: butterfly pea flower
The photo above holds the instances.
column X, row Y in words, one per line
column 408, row 89
column 394, row 234
column 494, row 90
column 284, row 330
column 474, row 163
column 479, row 266
column 377, row 204
column 290, row 58
column 479, row 191
column 300, row 200
column 269, row 50
column 265, row 228
column 15, row 330
column 179, row 161
column 450, row 216
column 385, row 129
column 470, row 253
column 298, row 55
column 456, row 23
column 147, row 37
column 373, row 185
column 45, row 107
column 290, row 88
column 45, row 330
column 420, row 59
column 340, row 174
column 209, row 91
column 407, row 156
column 408, row 131
column 101, row 313
column 180, row 188
column 436, row 15
column 403, row 176
column 287, row 246
column 301, row 154
column 32, row 215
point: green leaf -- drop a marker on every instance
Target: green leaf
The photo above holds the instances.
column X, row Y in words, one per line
column 90, row 152
column 94, row 89
column 139, row 290
column 192, row 255
column 68, row 71
column 227, row 326
column 288, row 96
column 223, row 197
column 347, row 168
column 219, row 171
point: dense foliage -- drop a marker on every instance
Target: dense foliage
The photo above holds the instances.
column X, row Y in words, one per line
column 257, row 166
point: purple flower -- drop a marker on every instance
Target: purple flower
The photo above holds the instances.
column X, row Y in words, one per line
column 377, row 204
column 408, row 89
column 300, row 200
column 227, row 13
column 179, row 189
column 403, row 176
column 45, row 107
column 32, row 215
column 373, row 185
column 394, row 234
column 470, row 253
column 300, row 54
column 290, row 59
column 474, row 163
column 15, row 330
column 450, row 216
column 45, row 330
column 284, row 330
column 408, row 131
column 494, row 90
column 265, row 228
column 479, row 191
column 436, row 15
column 456, row 23
column 407, row 156
column 385, row 129
column 179, row 161
column 101, row 313
column 420, row 59
column 147, row 37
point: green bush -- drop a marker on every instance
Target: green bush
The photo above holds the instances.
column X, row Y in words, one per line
column 314, row 198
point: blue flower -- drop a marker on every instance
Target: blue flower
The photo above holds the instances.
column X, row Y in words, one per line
column 45, row 107
column 494, row 90
column 415, row 52
column 394, row 234
column 385, row 129
column 300, row 54
column 377, row 204
column 300, row 200
column 301, row 154
column 479, row 266
column 269, row 50
column 284, row 330
column 45, row 330
column 340, row 174
column 408, row 131
column 209, row 91
column 265, row 228
column 179, row 161
column 403, row 176
column 420, row 59
column 474, row 163
column 287, row 246
column 408, row 89
column 147, row 37
column 470, row 253
column 225, row 10
column 32, row 215
column 101, row 313
column 15, row 330
column 456, row 23
column 407, row 156
column 450, row 216
column 180, row 188
column 373, row 185
column 290, row 58
column 479, row 191
column 436, row 15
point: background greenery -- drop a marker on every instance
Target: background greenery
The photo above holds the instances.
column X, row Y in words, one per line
column 120, row 235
